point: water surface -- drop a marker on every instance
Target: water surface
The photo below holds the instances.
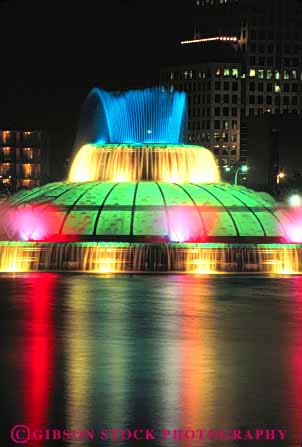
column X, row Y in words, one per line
column 162, row 352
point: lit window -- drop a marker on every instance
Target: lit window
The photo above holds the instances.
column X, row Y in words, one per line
column 277, row 88
column 252, row 73
column 5, row 169
column 235, row 72
column 226, row 72
column 269, row 74
column 277, row 74
column 286, row 74
column 218, row 71
column 294, row 74
column 188, row 74
column 225, row 137
column 216, row 136
column 260, row 74
column 6, row 153
column 5, row 136
column 27, row 170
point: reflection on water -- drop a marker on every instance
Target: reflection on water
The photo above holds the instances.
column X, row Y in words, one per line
column 36, row 350
column 162, row 352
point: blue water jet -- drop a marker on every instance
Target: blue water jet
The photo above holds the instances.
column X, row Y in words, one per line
column 152, row 115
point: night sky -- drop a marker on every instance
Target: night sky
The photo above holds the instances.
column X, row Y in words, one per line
column 54, row 52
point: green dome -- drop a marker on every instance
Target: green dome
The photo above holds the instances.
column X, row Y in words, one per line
column 150, row 211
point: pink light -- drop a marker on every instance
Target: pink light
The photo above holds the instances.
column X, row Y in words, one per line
column 33, row 223
column 294, row 233
column 293, row 227
column 185, row 224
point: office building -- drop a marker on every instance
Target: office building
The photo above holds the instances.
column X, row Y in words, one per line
column 24, row 159
column 266, row 37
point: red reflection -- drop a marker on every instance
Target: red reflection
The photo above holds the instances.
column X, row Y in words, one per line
column 39, row 348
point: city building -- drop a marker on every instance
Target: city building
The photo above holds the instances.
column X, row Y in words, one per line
column 267, row 39
column 24, row 159
column 217, row 3
column 214, row 96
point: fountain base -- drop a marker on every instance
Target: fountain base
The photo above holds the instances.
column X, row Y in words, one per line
column 109, row 257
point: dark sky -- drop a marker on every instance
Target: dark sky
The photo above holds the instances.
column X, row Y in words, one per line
column 53, row 52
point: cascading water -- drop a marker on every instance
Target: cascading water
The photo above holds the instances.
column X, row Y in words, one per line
column 138, row 199
column 135, row 258
column 126, row 163
column 19, row 258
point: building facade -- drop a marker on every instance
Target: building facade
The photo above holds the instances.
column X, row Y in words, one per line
column 215, row 3
column 268, row 39
column 271, row 43
column 214, row 97
column 24, row 159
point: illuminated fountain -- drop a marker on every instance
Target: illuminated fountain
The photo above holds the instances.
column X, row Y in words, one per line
column 138, row 200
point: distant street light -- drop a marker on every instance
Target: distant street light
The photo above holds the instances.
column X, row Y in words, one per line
column 280, row 177
column 243, row 169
